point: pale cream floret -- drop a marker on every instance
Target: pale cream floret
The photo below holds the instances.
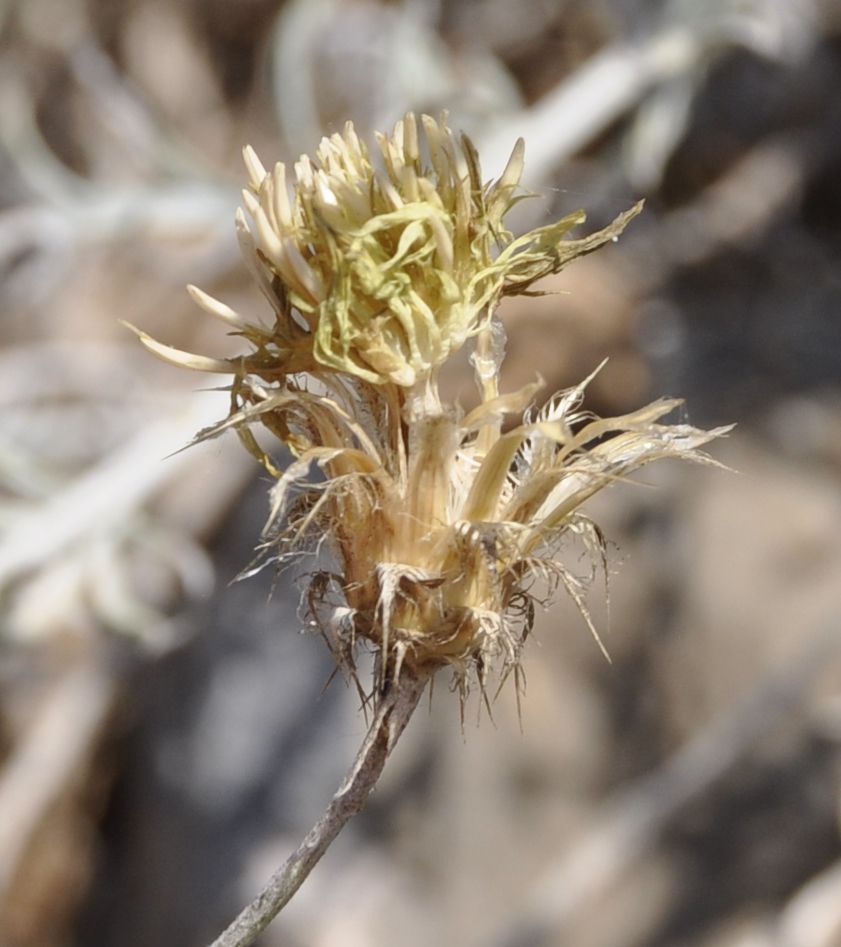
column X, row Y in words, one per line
column 438, row 523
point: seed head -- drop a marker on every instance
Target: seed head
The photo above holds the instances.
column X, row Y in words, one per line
column 436, row 529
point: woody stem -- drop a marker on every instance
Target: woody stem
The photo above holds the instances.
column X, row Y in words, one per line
column 395, row 708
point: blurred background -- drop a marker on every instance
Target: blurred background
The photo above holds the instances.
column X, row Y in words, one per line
column 165, row 736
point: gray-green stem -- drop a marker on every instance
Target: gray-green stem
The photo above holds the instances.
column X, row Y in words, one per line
column 392, row 714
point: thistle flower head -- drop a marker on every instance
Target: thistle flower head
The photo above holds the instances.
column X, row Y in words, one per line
column 436, row 528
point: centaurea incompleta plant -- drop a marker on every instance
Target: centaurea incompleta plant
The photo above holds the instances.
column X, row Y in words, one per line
column 436, row 526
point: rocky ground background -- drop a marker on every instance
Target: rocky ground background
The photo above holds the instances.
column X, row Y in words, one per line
column 164, row 736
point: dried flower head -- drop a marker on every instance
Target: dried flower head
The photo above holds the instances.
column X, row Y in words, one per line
column 439, row 526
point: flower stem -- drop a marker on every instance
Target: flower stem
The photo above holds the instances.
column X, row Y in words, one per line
column 394, row 709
